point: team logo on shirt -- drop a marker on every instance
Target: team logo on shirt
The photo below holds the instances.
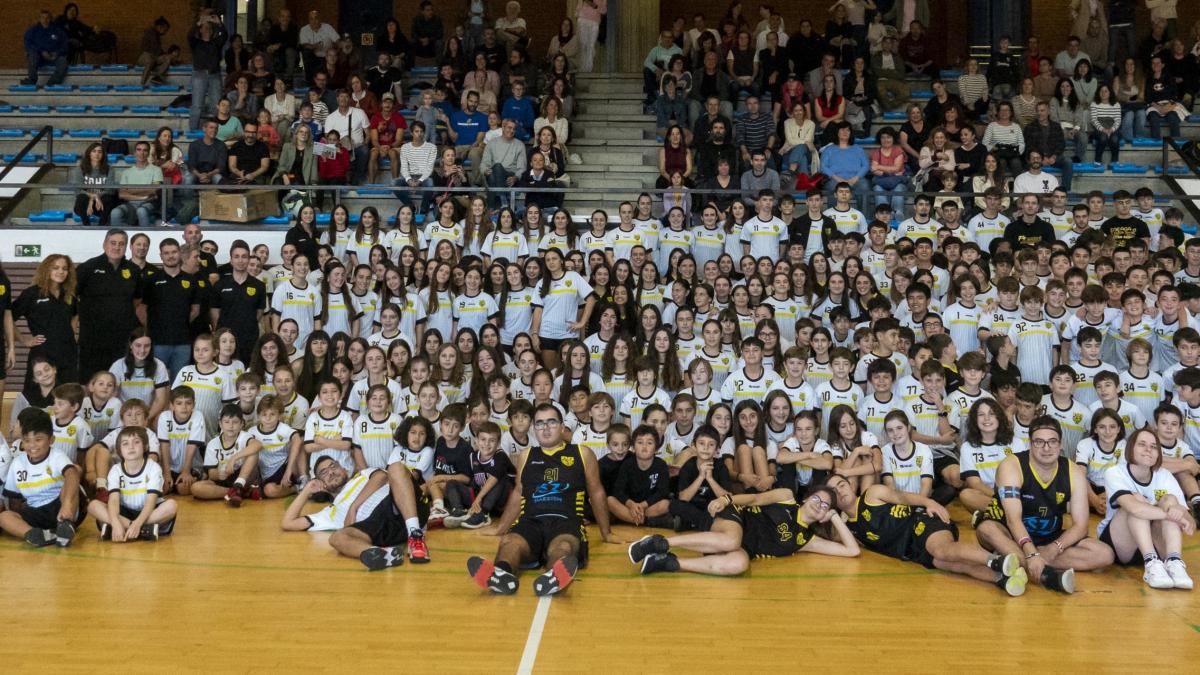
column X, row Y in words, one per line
column 481, row 302
column 185, row 283
column 71, row 430
column 1159, row 494
column 125, row 274
column 1059, row 498
column 568, row 461
column 920, row 461
column 3, row 288
column 1077, row 418
column 250, row 291
column 217, row 380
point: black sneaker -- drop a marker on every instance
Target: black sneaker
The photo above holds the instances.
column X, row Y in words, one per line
column 660, row 562
column 477, row 520
column 380, row 558
column 1054, row 579
column 557, row 578
column 64, row 533
column 492, row 578
column 649, row 545
column 1196, row 510
column 39, row 538
column 1014, row 585
column 105, row 531
column 976, row 519
column 149, row 532
column 1005, row 565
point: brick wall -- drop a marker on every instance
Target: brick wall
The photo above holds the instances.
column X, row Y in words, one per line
column 1052, row 21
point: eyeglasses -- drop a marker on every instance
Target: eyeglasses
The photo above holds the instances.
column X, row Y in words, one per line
column 821, row 504
column 325, row 472
column 543, row 424
column 1040, row 443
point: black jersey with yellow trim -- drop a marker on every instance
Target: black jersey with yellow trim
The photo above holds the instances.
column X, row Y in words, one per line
column 773, row 531
column 882, row 527
column 553, row 482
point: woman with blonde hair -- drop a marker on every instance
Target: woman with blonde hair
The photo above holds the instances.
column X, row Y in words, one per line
column 49, row 307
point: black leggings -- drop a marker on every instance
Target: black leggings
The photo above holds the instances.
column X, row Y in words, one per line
column 81, row 204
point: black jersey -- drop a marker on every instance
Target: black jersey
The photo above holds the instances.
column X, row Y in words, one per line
column 553, row 483
column 650, row 485
column 774, row 530
column 609, row 467
column 1043, row 505
column 704, row 494
column 883, row 528
column 452, row 460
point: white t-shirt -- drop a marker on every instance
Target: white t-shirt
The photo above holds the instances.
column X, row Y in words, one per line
column 1118, row 481
column 133, row 489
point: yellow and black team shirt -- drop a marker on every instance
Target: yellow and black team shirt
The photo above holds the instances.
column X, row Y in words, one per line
column 774, row 530
column 553, row 482
column 883, row 528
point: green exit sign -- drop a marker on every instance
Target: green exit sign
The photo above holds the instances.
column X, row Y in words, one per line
column 29, row 250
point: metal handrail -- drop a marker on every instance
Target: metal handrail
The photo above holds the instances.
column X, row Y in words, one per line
column 47, row 132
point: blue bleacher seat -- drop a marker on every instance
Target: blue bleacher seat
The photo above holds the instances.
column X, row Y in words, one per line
column 1189, row 230
column 185, row 68
column 165, row 88
column 178, row 109
column 419, row 218
column 93, row 220
column 145, row 109
column 12, row 133
column 105, row 109
column 950, row 74
column 373, row 190
column 354, row 218
column 48, row 216
column 301, row 93
column 35, row 109
column 94, row 88
column 5, row 108
column 81, row 68
column 114, row 158
column 58, row 133
column 137, row 88
column 194, row 134
column 65, row 157
column 71, row 109
column 125, row 133
column 87, row 133
column 922, row 95
column 1147, row 143
column 1172, row 171
column 1194, row 119
column 32, row 158
column 129, row 159
column 1088, row 167
column 1126, row 167
column 23, row 88
column 58, row 88
column 895, row 115
column 115, row 68
column 323, row 218
column 277, row 220
column 1052, row 170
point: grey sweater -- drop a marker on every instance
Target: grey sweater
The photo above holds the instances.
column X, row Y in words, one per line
column 509, row 154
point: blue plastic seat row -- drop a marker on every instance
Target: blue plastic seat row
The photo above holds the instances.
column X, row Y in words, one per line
column 49, row 216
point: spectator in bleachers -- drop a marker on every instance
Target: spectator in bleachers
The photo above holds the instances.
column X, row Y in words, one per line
column 297, row 164
column 153, row 59
column 940, row 100
column 550, row 117
column 1122, row 31
column 889, row 171
column 415, row 166
column 890, row 70
column 1070, row 112
column 333, row 170
column 387, row 135
column 918, row 50
column 1093, row 41
column 467, row 128
column 1104, row 115
column 755, row 131
column 451, row 82
column 710, row 81
column 1033, row 179
column 954, row 119
column 973, row 89
column 510, row 28
column 798, row 141
column 845, row 162
column 229, row 126
column 992, row 177
column 561, row 90
column 430, row 116
column 325, row 93
column 1154, row 43
column 969, row 154
column 674, row 155
column 772, row 68
column 1033, row 56
column 1045, row 83
column 759, row 176
column 362, row 98
column 552, row 151
column 518, row 69
column 384, row 78
column 861, row 94
column 317, row 109
column 167, row 156
column 655, row 64
column 336, row 72
column 587, row 16
column 1064, row 61
column 93, row 170
column 829, row 111
column 206, row 40
column 839, row 33
column 702, row 126
column 352, row 125
column 1084, row 81
column 449, row 173
column 1184, row 68
column 262, row 80
column 237, row 55
column 699, row 29
column 491, row 48
column 1004, row 139
column 816, row 77
column 283, row 46
column 139, row 197
column 456, row 56
column 249, row 159
column 913, row 133
column 741, row 64
column 670, row 108
column 503, row 161
column 267, row 135
column 534, row 180
column 519, row 108
column 315, row 39
column 45, row 44
column 565, row 42
column 714, row 189
column 484, row 82
column 1131, row 94
column 1163, row 97
column 719, row 147
column 348, row 56
column 1004, row 70
column 805, row 48
column 208, row 156
column 877, row 32
column 392, row 42
column 560, row 68
column 937, row 158
column 82, row 38
column 282, row 107
column 427, row 32
column 683, row 79
column 1025, row 103
column 242, row 101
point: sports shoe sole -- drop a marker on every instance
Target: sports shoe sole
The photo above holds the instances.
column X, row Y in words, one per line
column 1010, row 565
column 377, row 558
column 557, row 578
column 39, row 538
column 64, row 533
column 1015, row 585
column 488, row 577
column 1067, row 581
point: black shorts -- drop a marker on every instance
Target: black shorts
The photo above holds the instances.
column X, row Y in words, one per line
column 197, row 475
column 385, row 526
column 925, row 527
column 549, row 344
column 277, row 477
column 939, row 464
column 1134, row 561
column 538, row 532
column 44, row 517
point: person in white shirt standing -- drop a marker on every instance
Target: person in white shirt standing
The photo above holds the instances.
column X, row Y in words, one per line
column 316, row 37
column 417, row 159
column 353, row 126
column 765, row 235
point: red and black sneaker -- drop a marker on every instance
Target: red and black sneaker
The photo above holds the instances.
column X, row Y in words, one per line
column 233, row 497
column 418, row 552
column 557, row 578
column 487, row 576
column 254, row 493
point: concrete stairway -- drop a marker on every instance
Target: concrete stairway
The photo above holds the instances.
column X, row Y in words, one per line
column 614, row 139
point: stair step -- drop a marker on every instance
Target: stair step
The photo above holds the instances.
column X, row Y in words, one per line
column 614, row 183
column 613, row 132
column 614, row 158
column 614, row 143
column 608, row 108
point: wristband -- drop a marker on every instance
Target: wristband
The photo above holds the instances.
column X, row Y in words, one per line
column 1058, row 545
column 1008, row 492
column 1023, row 541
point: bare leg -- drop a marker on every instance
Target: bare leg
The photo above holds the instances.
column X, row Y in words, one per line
column 943, row 548
column 163, row 512
column 721, row 564
column 725, row 536
column 350, row 542
column 14, row 524
column 562, row 546
column 973, row 499
column 403, row 493
column 658, row 508
column 207, row 489
column 1086, row 556
column 98, row 510
column 513, row 551
column 621, row 512
column 980, row 572
column 276, row 490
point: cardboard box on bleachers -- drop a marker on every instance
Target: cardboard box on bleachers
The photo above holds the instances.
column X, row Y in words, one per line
column 238, row 207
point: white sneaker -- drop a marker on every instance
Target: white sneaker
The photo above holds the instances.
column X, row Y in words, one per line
column 1156, row 575
column 1178, row 571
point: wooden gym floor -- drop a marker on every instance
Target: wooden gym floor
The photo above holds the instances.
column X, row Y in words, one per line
column 230, row 592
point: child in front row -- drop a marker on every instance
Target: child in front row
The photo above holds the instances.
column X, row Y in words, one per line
column 135, row 508
column 181, row 438
column 1178, row 457
column 72, row 434
column 42, row 486
column 279, row 462
column 105, row 451
column 615, row 454
column 491, row 479
column 230, row 462
column 450, row 484
column 640, row 495
column 702, row 478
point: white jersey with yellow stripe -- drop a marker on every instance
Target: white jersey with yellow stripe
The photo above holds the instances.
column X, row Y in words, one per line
column 333, row 517
column 907, row 471
column 72, row 437
column 102, row 417
column 38, row 483
column 179, row 435
column 586, row 437
column 982, row 461
column 135, row 488
column 336, row 428
column 218, row 453
column 276, row 444
column 211, row 390
column 375, row 438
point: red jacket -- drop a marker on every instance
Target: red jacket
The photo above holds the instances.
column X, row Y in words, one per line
column 334, row 168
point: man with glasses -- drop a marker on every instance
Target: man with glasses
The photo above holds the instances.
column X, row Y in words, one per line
column 1035, row 490
column 378, row 525
column 545, row 513
column 249, row 160
column 770, row 524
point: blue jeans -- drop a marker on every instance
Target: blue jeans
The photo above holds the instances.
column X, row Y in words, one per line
column 1065, row 165
column 890, row 190
column 1133, row 121
column 411, row 197
column 206, row 93
column 498, row 180
column 175, row 356
column 142, row 213
column 34, row 60
column 1156, row 121
column 798, row 157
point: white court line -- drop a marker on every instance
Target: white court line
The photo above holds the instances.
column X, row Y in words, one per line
column 535, row 636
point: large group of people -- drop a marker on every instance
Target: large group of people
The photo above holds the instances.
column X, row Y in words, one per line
column 782, row 374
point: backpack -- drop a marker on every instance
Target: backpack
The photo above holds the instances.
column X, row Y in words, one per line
column 114, row 146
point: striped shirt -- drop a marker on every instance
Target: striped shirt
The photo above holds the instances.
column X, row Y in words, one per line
column 38, row 483
column 133, row 489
